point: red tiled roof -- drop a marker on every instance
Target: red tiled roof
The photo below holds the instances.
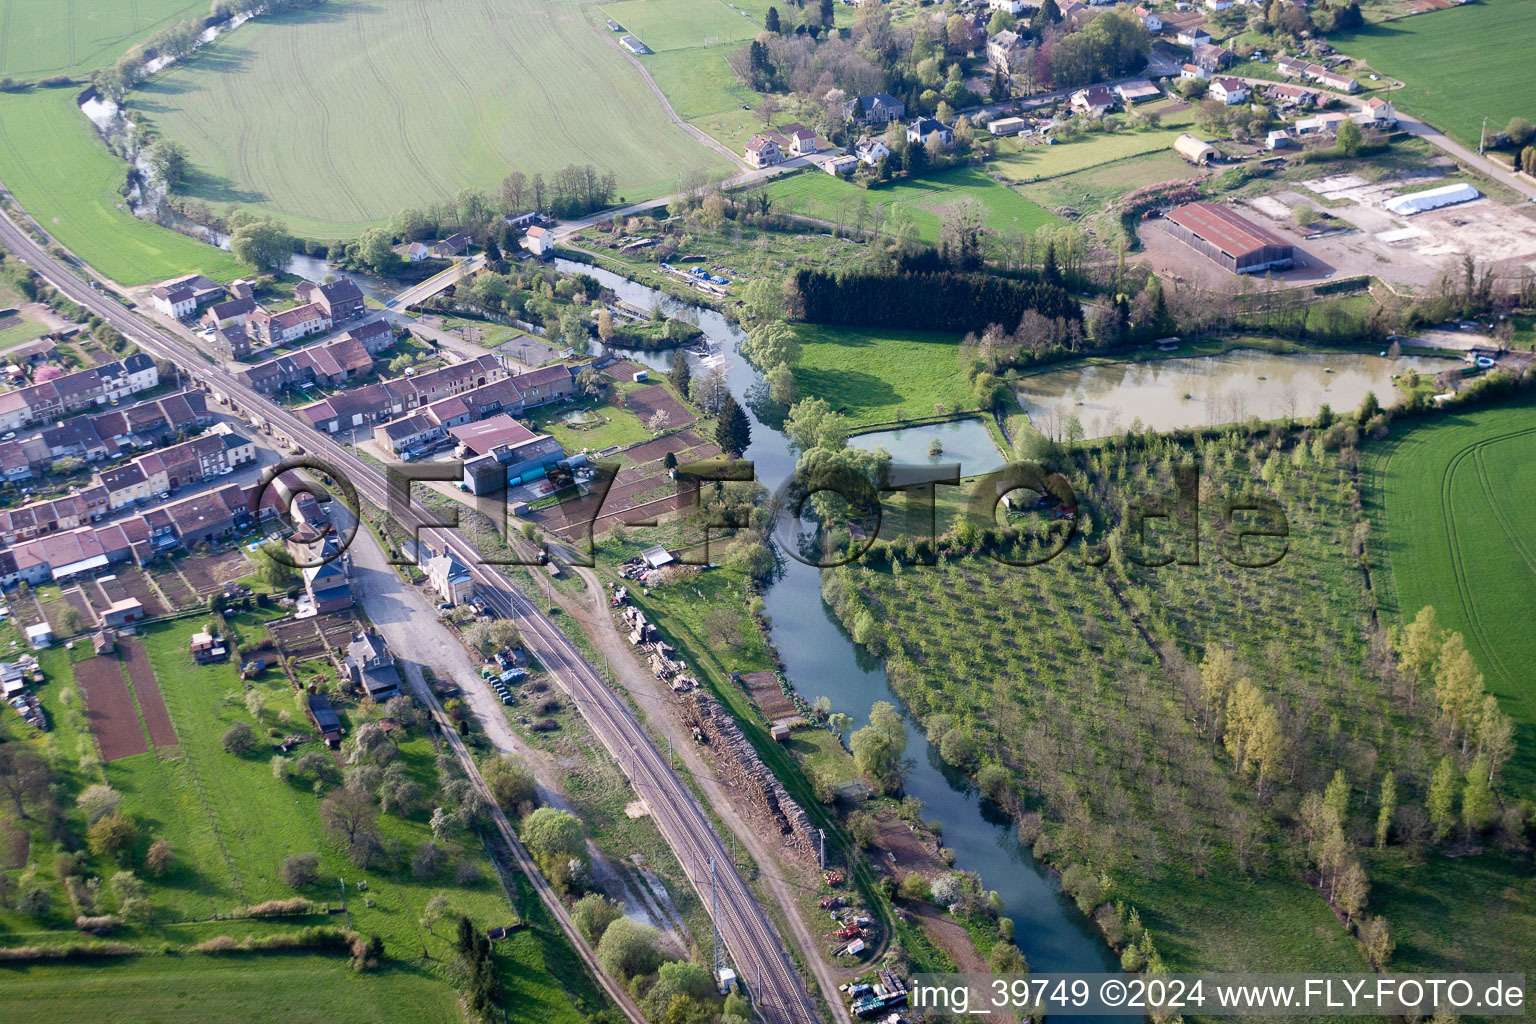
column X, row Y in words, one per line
column 1225, row 228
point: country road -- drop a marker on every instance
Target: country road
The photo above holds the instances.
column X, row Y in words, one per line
column 758, row 952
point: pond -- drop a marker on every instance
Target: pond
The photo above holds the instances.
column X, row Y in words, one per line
column 1168, row 394
column 965, row 441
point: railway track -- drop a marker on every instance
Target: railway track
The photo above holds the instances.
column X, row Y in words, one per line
column 759, row 954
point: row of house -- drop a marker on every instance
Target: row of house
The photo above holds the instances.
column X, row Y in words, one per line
column 204, row 518
column 106, row 435
column 503, row 398
column 332, row 363
column 76, row 392
column 445, row 397
column 775, row 145
column 1291, row 67
column 239, row 325
column 216, row 453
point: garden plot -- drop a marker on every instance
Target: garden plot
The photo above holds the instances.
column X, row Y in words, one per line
column 138, row 587
column 768, row 695
column 176, row 589
column 647, row 402
column 209, row 573
column 109, row 708
column 156, row 717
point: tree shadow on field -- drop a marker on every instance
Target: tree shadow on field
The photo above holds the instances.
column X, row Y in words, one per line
column 327, row 13
column 847, row 391
column 199, row 184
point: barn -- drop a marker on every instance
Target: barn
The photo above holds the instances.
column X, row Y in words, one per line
column 1229, row 238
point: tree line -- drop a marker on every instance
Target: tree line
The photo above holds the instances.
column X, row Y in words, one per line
column 943, row 301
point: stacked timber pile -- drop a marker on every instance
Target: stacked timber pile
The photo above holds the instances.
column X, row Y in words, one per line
column 740, row 766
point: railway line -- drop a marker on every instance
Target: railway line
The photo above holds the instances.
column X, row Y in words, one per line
column 759, row 954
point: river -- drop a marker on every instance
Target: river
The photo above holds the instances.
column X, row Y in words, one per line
column 822, row 660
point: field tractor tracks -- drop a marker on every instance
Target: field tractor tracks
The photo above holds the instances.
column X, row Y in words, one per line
column 470, row 91
column 5, row 33
column 69, row 18
column 515, row 58
column 407, row 145
column 291, row 40
column 1453, row 539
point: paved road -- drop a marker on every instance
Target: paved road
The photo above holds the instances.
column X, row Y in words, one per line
column 1435, row 137
column 431, row 286
column 754, row 945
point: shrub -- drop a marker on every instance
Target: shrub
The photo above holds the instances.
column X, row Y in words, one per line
column 113, row 836
column 914, row 886
column 299, row 870
column 239, row 739
column 296, row 906
column 593, row 914
column 628, row 949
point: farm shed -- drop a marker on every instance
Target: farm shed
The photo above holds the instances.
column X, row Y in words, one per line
column 1432, row 199
column 325, row 718
column 1007, row 126
column 1229, row 238
column 1195, row 151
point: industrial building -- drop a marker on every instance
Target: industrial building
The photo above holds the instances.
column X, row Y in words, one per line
column 1432, row 199
column 1229, row 238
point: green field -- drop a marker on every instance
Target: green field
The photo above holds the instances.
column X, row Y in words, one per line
column 1453, row 528
column 52, row 161
column 876, row 376
column 678, row 24
column 17, row 333
column 47, row 37
column 1022, row 163
column 337, row 120
column 231, row 822
column 824, row 197
column 699, row 83
column 172, row 990
column 1458, row 65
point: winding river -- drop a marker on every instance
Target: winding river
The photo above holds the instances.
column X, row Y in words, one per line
column 822, row 660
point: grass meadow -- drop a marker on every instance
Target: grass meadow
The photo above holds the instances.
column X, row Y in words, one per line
column 824, row 197
column 1023, row 162
column 52, row 161
column 45, row 37
column 1453, row 528
column 1457, row 65
column 335, row 119
column 232, row 822
column 681, row 24
column 878, row 375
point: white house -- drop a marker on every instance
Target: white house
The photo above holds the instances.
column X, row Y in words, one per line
column 1220, row 5
column 1376, row 112
column 870, row 150
column 539, row 240
column 174, row 300
column 801, row 140
column 925, row 128
column 1193, row 36
column 1149, row 19
column 1014, row 7
column 1229, row 90
column 1094, row 101
column 1189, row 71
